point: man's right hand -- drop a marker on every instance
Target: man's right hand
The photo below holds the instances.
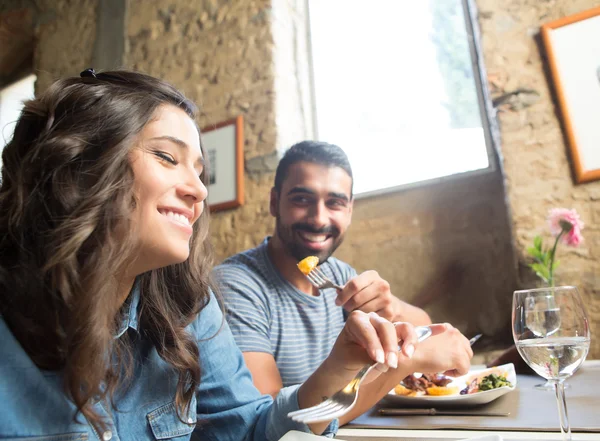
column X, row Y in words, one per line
column 448, row 352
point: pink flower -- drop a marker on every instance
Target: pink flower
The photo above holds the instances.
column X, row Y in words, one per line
column 567, row 221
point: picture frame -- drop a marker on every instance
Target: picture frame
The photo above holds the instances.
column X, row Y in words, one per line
column 223, row 145
column 572, row 46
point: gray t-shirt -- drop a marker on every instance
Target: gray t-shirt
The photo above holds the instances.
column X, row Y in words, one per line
column 268, row 314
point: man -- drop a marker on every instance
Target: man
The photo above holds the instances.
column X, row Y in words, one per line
column 284, row 326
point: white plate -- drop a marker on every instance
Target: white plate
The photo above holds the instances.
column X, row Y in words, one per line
column 474, row 399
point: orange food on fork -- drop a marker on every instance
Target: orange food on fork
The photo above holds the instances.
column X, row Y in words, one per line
column 307, row 264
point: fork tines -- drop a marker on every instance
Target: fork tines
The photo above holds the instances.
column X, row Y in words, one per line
column 328, row 412
column 320, row 280
column 316, row 277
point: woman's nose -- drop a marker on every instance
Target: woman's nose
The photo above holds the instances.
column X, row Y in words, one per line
column 193, row 188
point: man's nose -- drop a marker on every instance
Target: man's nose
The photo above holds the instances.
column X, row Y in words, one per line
column 319, row 215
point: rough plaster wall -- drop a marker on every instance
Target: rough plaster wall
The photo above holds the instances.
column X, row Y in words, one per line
column 220, row 54
column 538, row 171
column 445, row 246
column 65, row 33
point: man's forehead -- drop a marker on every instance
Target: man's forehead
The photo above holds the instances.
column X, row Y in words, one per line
column 318, row 178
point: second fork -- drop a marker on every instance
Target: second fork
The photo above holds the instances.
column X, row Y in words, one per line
column 344, row 400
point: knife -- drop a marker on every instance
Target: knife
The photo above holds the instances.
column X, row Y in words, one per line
column 433, row 411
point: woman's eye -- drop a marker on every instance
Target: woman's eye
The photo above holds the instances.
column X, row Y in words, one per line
column 166, row 157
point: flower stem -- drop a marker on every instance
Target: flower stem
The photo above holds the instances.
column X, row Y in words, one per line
column 552, row 253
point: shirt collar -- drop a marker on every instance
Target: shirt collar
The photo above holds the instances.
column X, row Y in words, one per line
column 129, row 311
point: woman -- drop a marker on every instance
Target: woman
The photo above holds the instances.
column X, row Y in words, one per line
column 109, row 328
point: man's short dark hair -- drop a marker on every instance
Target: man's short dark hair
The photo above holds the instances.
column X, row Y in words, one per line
column 317, row 152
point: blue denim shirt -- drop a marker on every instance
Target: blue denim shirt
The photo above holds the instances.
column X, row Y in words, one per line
column 227, row 406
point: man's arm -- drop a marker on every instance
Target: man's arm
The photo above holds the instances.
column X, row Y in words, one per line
column 405, row 312
column 368, row 292
column 265, row 374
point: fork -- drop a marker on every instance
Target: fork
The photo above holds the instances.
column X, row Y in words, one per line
column 474, row 339
column 344, row 400
column 320, row 280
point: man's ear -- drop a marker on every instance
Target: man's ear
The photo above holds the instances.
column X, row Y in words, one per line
column 273, row 202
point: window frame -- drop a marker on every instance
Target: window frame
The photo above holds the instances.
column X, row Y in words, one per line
column 487, row 110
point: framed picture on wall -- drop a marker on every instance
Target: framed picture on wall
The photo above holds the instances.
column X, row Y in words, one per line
column 573, row 48
column 224, row 147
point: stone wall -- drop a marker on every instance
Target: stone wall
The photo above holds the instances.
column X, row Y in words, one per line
column 536, row 160
column 445, row 246
column 65, row 33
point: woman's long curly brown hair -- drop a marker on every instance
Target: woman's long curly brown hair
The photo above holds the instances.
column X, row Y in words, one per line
column 66, row 200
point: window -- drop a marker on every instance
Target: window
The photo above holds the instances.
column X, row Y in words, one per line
column 11, row 103
column 394, row 86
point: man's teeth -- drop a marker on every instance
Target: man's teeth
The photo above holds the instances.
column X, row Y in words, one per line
column 311, row 237
column 176, row 217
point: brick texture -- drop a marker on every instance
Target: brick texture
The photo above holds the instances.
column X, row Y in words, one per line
column 536, row 158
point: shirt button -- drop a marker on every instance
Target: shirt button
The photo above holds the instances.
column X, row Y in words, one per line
column 107, row 436
column 191, row 420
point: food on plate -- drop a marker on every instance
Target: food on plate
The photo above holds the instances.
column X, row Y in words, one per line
column 440, row 385
column 486, row 381
column 471, row 388
column 426, row 384
column 307, row 264
column 401, row 390
column 493, row 381
column 442, row 390
column 501, row 371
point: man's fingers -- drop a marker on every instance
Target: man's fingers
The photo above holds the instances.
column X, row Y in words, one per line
column 353, row 287
column 439, row 328
column 366, row 303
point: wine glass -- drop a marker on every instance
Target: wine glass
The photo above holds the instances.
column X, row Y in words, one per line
column 552, row 334
column 543, row 318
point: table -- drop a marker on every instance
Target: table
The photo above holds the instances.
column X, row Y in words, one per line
column 583, row 401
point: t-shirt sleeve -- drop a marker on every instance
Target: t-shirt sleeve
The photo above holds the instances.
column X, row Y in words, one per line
column 246, row 307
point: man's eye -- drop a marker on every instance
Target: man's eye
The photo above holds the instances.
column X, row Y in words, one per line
column 166, row 157
column 337, row 203
column 300, row 199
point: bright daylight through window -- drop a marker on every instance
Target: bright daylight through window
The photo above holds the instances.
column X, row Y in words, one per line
column 11, row 103
column 395, row 88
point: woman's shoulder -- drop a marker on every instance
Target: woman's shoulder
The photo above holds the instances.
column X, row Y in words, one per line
column 12, row 355
column 209, row 320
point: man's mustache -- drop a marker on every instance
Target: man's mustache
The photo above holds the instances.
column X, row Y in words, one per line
column 311, row 229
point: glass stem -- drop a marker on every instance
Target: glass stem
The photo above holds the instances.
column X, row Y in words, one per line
column 565, row 427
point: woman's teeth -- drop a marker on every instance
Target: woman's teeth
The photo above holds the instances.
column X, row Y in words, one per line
column 176, row 217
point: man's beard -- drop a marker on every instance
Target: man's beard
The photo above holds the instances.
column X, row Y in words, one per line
column 287, row 236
